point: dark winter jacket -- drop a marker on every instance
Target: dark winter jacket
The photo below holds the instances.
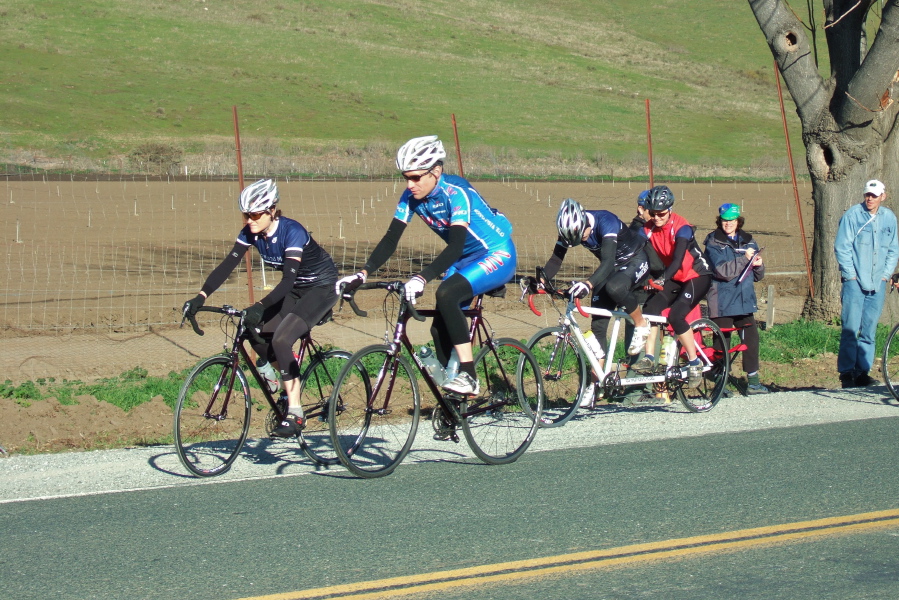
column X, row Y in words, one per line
column 727, row 296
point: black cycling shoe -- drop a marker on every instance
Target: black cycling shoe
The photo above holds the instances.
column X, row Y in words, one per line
column 290, row 426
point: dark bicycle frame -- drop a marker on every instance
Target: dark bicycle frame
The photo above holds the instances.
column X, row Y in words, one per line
column 238, row 351
column 477, row 333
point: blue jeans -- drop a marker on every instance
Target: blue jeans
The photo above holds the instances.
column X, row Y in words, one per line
column 861, row 312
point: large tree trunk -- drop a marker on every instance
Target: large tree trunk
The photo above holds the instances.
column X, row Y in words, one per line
column 848, row 120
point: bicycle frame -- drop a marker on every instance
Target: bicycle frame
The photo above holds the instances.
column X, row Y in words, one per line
column 568, row 320
column 477, row 333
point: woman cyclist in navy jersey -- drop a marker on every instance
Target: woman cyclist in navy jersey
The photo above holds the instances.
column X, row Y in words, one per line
column 479, row 255
column 301, row 299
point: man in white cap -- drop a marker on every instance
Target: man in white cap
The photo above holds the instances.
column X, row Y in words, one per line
column 867, row 249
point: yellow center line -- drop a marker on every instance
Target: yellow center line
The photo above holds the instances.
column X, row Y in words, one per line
column 594, row 559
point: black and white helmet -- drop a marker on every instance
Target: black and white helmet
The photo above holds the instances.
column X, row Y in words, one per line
column 420, row 153
column 660, row 198
column 258, row 197
column 572, row 222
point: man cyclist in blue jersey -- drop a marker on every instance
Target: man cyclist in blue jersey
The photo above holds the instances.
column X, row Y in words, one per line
column 479, row 255
column 300, row 301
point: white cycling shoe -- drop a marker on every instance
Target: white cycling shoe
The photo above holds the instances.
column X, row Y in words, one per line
column 464, row 385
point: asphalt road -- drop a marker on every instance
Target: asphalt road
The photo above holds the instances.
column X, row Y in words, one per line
column 786, row 496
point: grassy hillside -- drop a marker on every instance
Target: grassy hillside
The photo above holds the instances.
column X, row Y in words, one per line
column 525, row 78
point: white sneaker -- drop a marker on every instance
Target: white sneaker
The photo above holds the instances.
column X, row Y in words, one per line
column 638, row 340
column 464, row 385
column 587, row 398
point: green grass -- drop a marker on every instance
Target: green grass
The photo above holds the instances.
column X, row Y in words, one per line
column 525, row 77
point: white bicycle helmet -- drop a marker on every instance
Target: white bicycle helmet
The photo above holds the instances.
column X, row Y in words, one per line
column 258, row 197
column 572, row 222
column 420, row 153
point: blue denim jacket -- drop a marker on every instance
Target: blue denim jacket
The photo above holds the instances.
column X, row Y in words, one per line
column 867, row 246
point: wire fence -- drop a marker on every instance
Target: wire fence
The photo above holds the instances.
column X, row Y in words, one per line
column 124, row 253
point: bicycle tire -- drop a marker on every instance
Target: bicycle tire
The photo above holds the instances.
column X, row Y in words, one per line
column 208, row 441
column 564, row 372
column 316, row 386
column 714, row 377
column 889, row 360
column 373, row 412
column 502, row 421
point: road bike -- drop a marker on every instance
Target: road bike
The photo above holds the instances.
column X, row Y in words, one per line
column 567, row 361
column 212, row 414
column 376, row 402
column 889, row 361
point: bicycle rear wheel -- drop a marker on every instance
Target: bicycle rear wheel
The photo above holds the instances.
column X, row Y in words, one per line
column 212, row 417
column 714, row 375
column 373, row 412
column 316, row 386
column 564, row 372
column 890, row 362
column 501, row 423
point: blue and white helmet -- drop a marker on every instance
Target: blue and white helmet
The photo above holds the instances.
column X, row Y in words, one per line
column 259, row 197
column 420, row 153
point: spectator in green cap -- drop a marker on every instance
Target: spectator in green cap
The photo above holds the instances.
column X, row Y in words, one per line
column 736, row 264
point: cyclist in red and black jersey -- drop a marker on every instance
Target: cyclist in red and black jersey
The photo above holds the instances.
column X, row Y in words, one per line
column 303, row 297
column 686, row 279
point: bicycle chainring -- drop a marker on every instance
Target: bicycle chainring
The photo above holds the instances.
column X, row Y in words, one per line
column 444, row 428
column 611, row 385
column 271, row 419
column 674, row 379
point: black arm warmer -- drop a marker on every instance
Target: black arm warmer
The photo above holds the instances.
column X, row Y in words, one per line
column 607, row 256
column 221, row 272
column 454, row 247
column 386, row 247
column 555, row 261
column 280, row 291
column 677, row 257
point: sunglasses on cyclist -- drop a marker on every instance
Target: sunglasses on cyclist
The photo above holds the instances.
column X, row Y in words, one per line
column 417, row 178
column 254, row 216
column 658, row 213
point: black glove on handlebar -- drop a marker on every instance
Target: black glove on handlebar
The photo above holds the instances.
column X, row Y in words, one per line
column 253, row 315
column 193, row 305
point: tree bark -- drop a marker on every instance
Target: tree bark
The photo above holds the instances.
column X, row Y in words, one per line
column 848, row 119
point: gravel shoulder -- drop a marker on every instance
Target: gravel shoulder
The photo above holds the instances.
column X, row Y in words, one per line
column 47, row 476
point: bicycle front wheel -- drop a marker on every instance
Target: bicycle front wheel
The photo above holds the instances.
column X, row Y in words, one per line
column 212, row 417
column 889, row 367
column 502, row 421
column 564, row 372
column 715, row 369
column 373, row 412
column 316, row 386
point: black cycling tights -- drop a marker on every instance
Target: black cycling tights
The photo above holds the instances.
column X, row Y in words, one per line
column 288, row 321
column 682, row 298
column 450, row 327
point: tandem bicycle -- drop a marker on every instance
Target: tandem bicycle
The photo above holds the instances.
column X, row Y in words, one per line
column 566, row 361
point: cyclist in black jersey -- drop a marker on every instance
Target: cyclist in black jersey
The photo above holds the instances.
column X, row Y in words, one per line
column 302, row 298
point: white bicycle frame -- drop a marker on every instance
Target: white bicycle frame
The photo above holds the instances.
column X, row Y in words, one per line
column 568, row 319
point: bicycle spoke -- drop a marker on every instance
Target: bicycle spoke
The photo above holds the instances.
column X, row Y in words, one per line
column 212, row 417
column 374, row 411
column 500, row 424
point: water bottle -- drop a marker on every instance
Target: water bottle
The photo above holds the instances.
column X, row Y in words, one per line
column 268, row 374
column 452, row 367
column 427, row 358
column 668, row 354
column 594, row 346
